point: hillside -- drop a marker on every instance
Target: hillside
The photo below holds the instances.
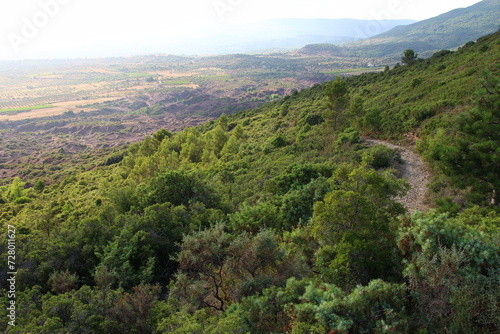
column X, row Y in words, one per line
column 447, row 31
column 279, row 219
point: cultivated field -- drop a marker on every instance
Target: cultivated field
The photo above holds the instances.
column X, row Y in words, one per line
column 76, row 106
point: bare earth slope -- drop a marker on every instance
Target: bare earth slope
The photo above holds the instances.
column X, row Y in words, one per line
column 417, row 174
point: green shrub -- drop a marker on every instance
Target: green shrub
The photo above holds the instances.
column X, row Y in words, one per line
column 348, row 136
column 380, row 156
column 178, row 188
column 415, row 82
column 378, row 307
column 114, row 159
column 314, row 119
column 452, row 269
column 254, row 218
column 279, row 141
column 22, row 200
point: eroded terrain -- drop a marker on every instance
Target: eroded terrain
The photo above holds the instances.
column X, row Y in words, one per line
column 53, row 112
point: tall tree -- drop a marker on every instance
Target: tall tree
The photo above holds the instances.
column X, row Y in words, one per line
column 337, row 93
column 409, row 57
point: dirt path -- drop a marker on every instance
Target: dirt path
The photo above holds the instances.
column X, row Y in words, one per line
column 417, row 174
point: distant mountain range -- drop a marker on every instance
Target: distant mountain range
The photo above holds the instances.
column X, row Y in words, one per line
column 279, row 34
column 229, row 38
column 446, row 31
column 385, row 39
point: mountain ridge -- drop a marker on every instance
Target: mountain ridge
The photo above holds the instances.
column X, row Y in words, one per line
column 446, row 31
column 280, row 33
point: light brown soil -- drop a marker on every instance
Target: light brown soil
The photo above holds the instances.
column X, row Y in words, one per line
column 58, row 109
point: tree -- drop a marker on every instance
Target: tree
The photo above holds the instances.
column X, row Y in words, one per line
column 16, row 189
column 352, row 225
column 378, row 307
column 238, row 132
column 63, row 281
column 232, row 146
column 148, row 147
column 219, row 138
column 178, row 188
column 161, row 134
column 132, row 313
column 356, row 108
column 409, row 57
column 130, row 258
column 337, row 93
column 201, row 268
column 470, row 152
column 223, row 122
column 217, row 268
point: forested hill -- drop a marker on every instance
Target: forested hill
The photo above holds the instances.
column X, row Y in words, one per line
column 446, row 31
column 280, row 219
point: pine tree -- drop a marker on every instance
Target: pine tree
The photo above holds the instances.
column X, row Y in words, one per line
column 337, row 93
column 409, row 57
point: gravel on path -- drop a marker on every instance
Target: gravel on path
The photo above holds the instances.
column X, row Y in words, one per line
column 415, row 171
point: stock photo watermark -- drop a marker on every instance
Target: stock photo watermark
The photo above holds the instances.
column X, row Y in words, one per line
column 31, row 25
column 11, row 274
column 381, row 17
column 222, row 7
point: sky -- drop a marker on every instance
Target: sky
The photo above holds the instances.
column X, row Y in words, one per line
column 63, row 28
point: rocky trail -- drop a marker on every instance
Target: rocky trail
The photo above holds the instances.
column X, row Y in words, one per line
column 415, row 171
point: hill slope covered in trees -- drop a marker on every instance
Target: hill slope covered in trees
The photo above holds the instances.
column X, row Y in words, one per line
column 279, row 219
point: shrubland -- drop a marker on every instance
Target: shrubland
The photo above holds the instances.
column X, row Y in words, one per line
column 279, row 219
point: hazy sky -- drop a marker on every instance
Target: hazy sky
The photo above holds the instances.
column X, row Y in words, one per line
column 31, row 28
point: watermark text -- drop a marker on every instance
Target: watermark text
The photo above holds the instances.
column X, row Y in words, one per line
column 222, row 7
column 31, row 26
column 11, row 274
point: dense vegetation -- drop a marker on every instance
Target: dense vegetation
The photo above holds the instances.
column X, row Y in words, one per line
column 279, row 219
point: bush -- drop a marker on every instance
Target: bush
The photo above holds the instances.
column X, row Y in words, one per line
column 296, row 176
column 178, row 188
column 22, row 200
column 297, row 205
column 452, row 268
column 380, row 156
column 254, row 218
column 378, row 307
column 348, row 136
column 113, row 160
column 314, row 119
column 63, row 281
column 415, row 82
column 279, row 141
